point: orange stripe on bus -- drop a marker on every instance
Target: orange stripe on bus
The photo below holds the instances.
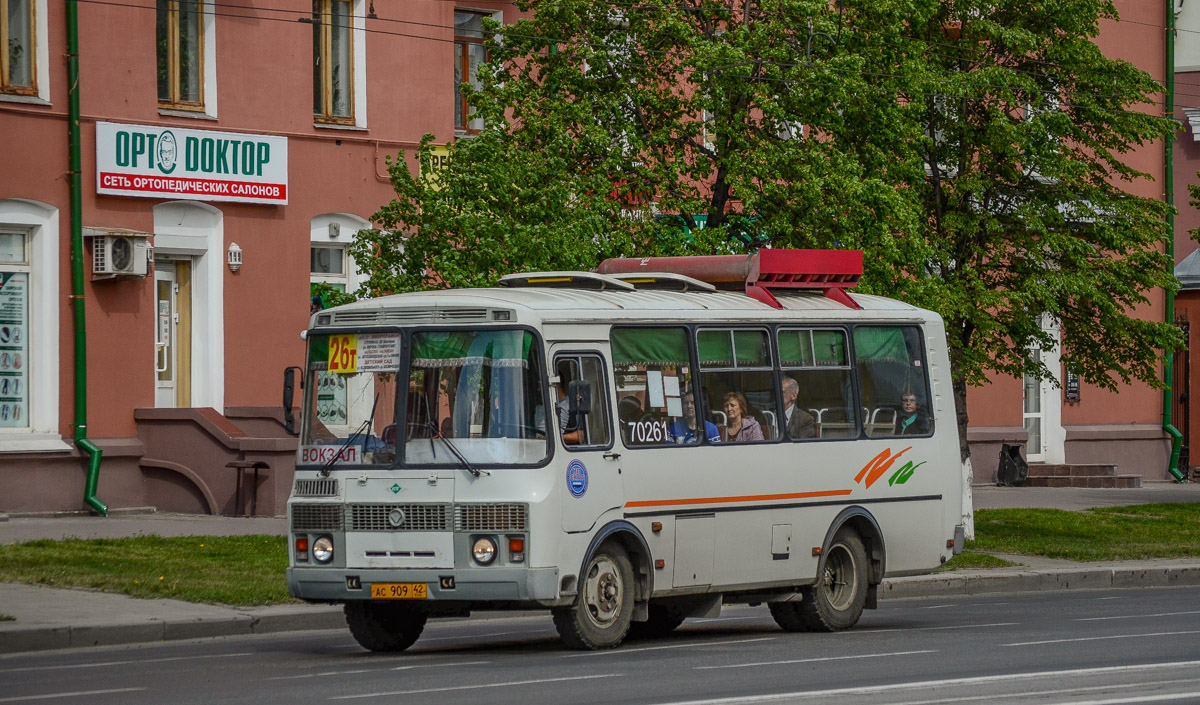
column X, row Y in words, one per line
column 726, row 500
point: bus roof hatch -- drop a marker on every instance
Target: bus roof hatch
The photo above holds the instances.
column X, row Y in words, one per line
column 832, row 271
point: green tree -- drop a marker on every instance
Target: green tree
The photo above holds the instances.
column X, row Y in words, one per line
column 617, row 129
column 973, row 149
column 1027, row 199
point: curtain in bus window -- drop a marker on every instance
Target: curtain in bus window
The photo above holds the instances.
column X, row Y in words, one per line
column 508, row 348
column 643, row 346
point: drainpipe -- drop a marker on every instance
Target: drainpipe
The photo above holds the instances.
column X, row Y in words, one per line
column 1169, row 149
column 77, row 303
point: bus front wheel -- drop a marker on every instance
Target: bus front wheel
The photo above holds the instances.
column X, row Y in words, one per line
column 384, row 626
column 601, row 615
column 837, row 599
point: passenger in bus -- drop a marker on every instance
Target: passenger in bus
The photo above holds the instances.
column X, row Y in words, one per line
column 741, row 426
column 629, row 409
column 911, row 422
column 683, row 430
column 800, row 423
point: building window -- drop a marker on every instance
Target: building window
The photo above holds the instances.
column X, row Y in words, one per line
column 469, row 53
column 333, row 64
column 17, row 70
column 180, row 38
column 329, row 265
column 14, row 329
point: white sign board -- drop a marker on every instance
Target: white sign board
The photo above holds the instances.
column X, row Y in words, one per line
column 169, row 162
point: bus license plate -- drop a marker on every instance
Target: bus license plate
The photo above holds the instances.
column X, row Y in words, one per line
column 399, row 591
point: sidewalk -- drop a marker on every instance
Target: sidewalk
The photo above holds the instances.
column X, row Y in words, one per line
column 52, row 618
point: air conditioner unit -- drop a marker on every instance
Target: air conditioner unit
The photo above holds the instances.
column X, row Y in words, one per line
column 120, row 256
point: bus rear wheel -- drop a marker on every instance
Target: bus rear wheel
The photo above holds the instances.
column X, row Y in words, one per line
column 837, row 599
column 384, row 626
column 787, row 616
column 601, row 615
column 663, row 619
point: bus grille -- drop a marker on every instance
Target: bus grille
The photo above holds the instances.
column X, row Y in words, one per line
column 318, row 517
column 490, row 517
column 316, row 488
column 417, row 517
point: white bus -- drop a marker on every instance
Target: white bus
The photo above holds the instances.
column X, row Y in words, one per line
column 626, row 448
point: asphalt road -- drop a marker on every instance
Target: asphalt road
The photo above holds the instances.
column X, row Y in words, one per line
column 1095, row 647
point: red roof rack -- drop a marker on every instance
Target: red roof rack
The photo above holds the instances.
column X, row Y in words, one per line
column 832, row 271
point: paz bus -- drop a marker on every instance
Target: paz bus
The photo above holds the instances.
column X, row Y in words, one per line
column 625, row 448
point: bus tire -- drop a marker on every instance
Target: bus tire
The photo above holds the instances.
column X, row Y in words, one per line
column 663, row 620
column 384, row 626
column 787, row 616
column 602, row 612
column 837, row 599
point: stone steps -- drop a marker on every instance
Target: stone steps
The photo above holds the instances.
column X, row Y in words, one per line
column 1097, row 475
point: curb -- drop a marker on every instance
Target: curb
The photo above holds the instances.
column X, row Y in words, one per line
column 44, row 638
column 1007, row 581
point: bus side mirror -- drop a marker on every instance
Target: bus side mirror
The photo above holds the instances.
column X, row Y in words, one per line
column 289, row 387
column 579, row 403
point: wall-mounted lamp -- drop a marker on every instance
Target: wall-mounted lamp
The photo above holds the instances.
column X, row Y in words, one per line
column 234, row 257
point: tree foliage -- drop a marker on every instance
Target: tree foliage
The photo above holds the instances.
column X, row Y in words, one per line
column 976, row 150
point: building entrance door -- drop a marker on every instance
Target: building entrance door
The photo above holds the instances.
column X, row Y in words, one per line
column 172, row 333
column 1042, row 411
column 165, row 333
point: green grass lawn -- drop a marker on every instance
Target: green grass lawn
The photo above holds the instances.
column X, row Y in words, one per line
column 234, row 570
column 249, row 570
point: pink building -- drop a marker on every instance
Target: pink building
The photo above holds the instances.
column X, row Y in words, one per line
column 229, row 153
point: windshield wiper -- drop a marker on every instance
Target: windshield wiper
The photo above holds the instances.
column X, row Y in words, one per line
column 436, row 433
column 362, row 428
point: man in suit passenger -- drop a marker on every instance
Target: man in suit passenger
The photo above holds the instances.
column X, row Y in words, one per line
column 800, row 423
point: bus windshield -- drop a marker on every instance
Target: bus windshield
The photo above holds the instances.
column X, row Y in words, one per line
column 478, row 394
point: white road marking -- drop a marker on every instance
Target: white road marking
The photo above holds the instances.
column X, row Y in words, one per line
column 1136, row 616
column 814, row 660
column 480, row 636
column 1165, row 697
column 1100, row 638
column 105, row 664
column 823, row 695
column 1025, row 694
column 376, row 670
column 76, row 694
column 935, row 629
column 698, row 645
column 537, row 681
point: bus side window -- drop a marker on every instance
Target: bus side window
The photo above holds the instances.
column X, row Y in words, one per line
column 819, row 362
column 651, row 371
column 739, row 384
column 892, row 380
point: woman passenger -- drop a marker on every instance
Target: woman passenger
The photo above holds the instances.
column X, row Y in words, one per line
column 740, row 425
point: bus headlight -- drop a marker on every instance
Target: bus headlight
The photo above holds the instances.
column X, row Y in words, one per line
column 484, row 550
column 322, row 549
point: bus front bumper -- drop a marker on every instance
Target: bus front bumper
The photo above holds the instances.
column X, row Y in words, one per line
column 476, row 585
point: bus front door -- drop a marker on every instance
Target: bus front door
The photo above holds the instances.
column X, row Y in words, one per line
column 585, row 457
